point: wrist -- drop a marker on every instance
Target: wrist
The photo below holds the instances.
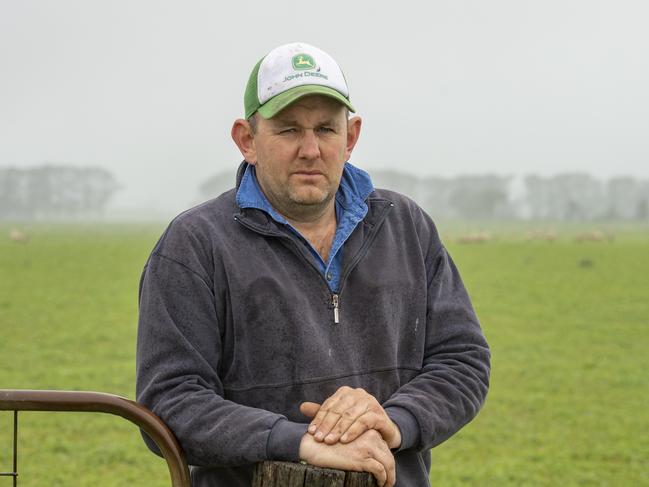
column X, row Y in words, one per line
column 306, row 448
column 407, row 425
column 284, row 440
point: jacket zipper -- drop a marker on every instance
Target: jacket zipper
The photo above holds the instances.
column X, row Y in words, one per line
column 334, row 301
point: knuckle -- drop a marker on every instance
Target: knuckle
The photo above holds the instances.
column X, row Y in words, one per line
column 326, row 405
column 375, row 407
column 367, row 420
column 347, row 414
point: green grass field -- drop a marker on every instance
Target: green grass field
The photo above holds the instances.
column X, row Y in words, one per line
column 568, row 324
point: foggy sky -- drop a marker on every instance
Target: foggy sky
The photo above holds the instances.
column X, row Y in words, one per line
column 149, row 89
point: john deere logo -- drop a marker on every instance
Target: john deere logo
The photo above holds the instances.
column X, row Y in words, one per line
column 303, row 61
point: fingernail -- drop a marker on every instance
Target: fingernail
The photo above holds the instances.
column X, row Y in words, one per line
column 312, row 429
column 329, row 437
column 344, row 437
column 319, row 435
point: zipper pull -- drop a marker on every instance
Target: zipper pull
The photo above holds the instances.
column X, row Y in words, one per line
column 334, row 301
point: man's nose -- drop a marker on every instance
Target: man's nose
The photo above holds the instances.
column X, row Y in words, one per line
column 309, row 146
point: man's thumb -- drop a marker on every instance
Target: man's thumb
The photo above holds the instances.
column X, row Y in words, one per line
column 309, row 409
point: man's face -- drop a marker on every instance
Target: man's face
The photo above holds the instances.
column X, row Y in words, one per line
column 300, row 155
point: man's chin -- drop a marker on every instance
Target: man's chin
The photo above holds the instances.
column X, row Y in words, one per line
column 310, row 198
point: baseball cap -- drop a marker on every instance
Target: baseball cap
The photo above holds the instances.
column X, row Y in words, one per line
column 290, row 72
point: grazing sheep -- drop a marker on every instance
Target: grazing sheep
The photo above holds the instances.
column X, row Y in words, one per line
column 17, row 236
column 541, row 235
column 472, row 238
column 595, row 236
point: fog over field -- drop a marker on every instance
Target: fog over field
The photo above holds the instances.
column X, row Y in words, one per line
column 148, row 89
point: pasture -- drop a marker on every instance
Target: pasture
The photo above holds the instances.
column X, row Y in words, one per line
column 568, row 323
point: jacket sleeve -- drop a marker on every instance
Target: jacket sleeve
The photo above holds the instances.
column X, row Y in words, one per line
column 178, row 353
column 452, row 384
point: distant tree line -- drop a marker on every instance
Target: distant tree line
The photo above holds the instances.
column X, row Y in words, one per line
column 563, row 197
column 54, row 192
column 580, row 197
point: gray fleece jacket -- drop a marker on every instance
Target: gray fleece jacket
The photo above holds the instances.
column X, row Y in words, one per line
column 238, row 327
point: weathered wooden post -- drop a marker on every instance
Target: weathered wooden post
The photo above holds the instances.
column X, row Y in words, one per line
column 287, row 474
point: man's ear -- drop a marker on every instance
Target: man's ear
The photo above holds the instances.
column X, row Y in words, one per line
column 244, row 138
column 353, row 133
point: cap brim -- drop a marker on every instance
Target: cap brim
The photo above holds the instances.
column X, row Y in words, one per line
column 279, row 102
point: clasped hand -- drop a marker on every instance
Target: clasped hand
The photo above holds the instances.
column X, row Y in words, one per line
column 351, row 431
column 346, row 415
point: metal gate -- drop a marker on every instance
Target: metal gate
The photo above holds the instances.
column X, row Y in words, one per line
column 96, row 402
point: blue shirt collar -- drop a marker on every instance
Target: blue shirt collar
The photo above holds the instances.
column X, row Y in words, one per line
column 355, row 187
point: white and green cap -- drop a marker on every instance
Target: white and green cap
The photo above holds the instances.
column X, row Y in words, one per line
column 290, row 72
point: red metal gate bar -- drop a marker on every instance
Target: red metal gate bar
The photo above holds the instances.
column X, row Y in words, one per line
column 99, row 402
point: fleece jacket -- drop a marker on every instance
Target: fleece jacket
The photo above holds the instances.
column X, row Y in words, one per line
column 238, row 326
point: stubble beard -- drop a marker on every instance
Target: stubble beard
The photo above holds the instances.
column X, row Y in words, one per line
column 308, row 201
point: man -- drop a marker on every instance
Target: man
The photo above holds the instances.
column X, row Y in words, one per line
column 305, row 315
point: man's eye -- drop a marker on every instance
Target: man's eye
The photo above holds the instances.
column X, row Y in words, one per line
column 288, row 131
column 326, row 129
